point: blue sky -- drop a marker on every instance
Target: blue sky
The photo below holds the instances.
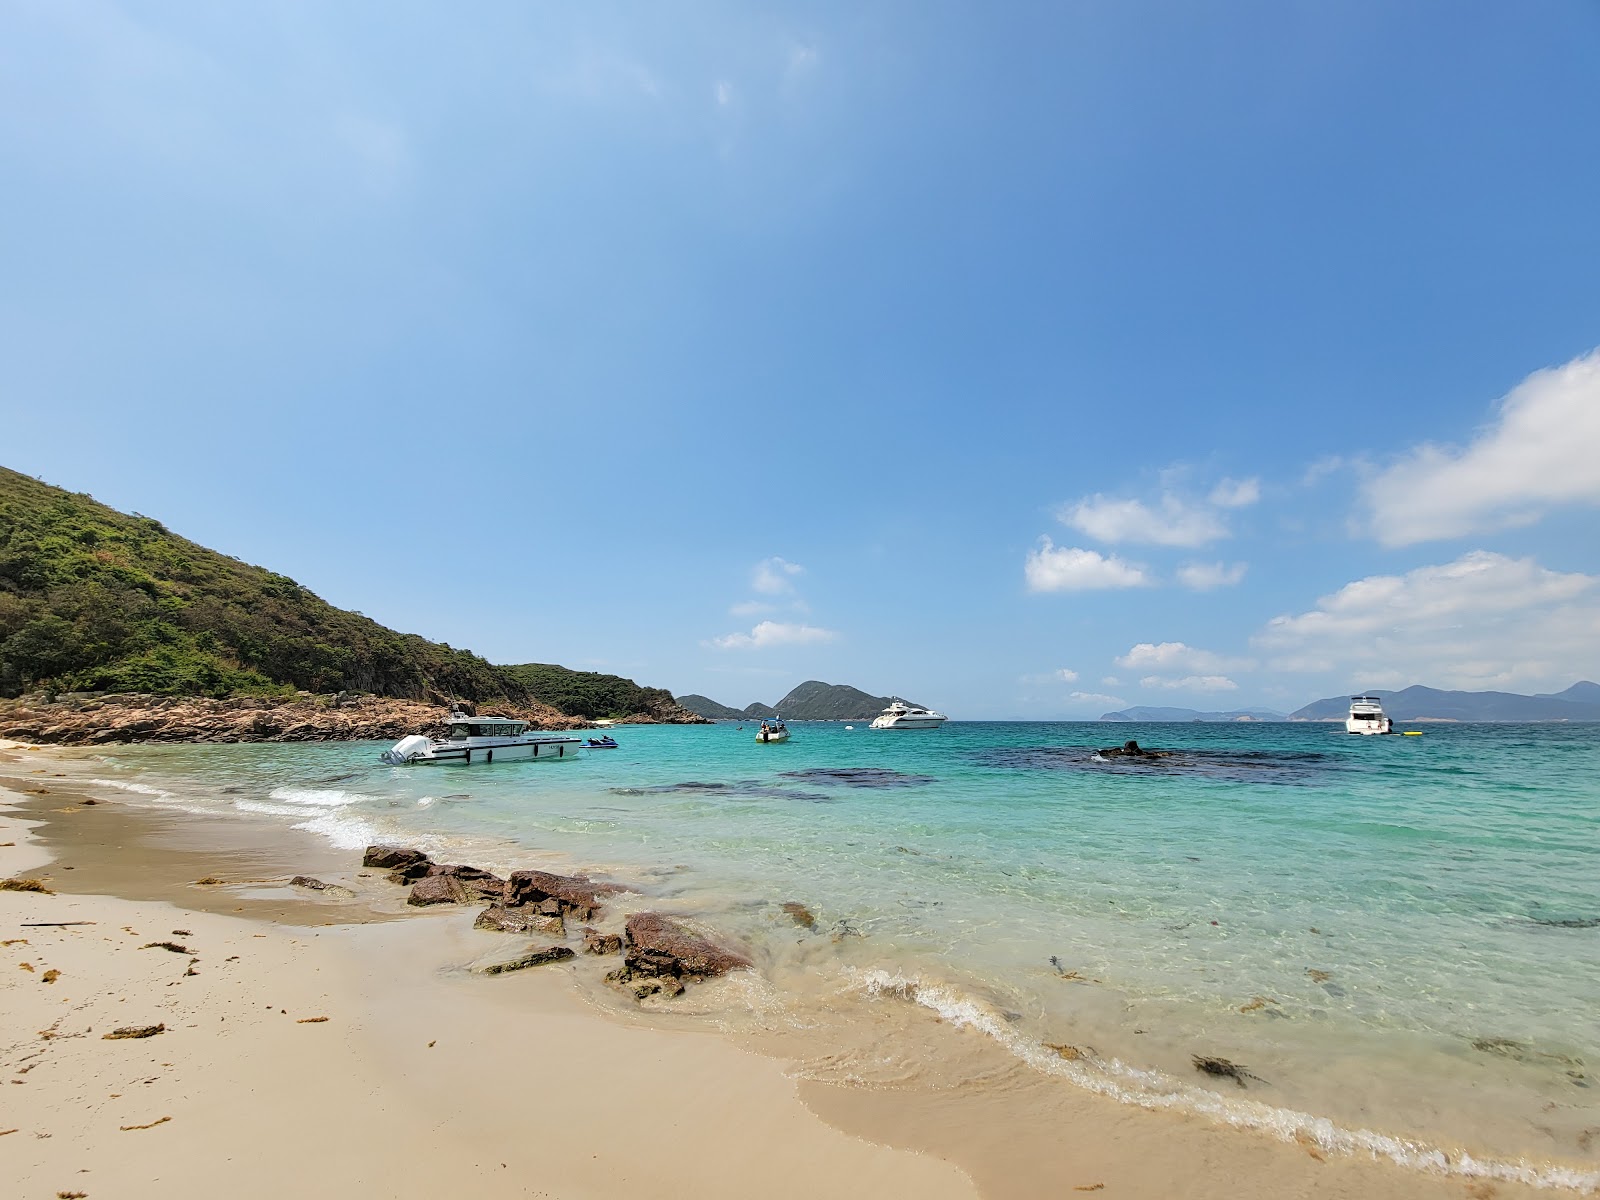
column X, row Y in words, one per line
column 1026, row 360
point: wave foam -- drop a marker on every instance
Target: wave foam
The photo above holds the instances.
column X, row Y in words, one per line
column 315, row 797
column 1156, row 1090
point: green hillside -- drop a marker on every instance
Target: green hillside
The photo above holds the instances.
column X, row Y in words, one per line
column 588, row 693
column 92, row 599
column 706, row 707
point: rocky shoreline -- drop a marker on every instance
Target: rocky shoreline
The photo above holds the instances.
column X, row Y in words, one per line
column 96, row 720
column 659, row 954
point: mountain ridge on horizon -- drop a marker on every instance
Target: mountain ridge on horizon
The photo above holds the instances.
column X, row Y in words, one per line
column 1580, row 702
column 812, row 700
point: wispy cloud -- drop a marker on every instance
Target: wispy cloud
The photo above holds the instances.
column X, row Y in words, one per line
column 1191, row 683
column 1098, row 700
column 768, row 634
column 1204, row 577
column 1172, row 522
column 1541, row 451
column 775, row 576
column 1482, row 621
column 1052, row 568
column 1235, row 493
column 1176, row 656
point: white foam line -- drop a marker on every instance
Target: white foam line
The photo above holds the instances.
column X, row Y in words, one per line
column 1156, row 1090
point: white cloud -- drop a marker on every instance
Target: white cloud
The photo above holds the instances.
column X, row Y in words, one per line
column 724, row 93
column 1111, row 681
column 1176, row 523
column 1203, row 577
column 749, row 608
column 775, row 576
column 1191, row 683
column 1328, row 465
column 1482, row 621
column 1067, row 675
column 774, row 633
column 1053, row 568
column 1095, row 698
column 1236, row 493
column 1542, row 450
column 1175, row 656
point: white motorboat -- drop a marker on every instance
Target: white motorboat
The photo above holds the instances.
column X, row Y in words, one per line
column 1366, row 716
column 900, row 715
column 773, row 730
column 482, row 740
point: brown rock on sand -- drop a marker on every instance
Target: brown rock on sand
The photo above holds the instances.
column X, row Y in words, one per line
column 657, row 945
column 438, row 889
column 579, row 897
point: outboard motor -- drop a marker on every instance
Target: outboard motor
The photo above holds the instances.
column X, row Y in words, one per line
column 408, row 749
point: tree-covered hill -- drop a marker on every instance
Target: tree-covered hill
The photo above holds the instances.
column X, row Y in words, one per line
column 593, row 695
column 95, row 600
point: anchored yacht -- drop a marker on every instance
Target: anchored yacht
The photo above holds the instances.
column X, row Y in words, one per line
column 1366, row 716
column 900, row 715
column 482, row 740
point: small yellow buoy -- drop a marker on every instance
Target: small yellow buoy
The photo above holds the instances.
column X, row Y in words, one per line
column 1412, row 733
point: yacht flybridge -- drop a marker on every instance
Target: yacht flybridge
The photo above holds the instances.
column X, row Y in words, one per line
column 900, row 715
column 481, row 740
column 1366, row 716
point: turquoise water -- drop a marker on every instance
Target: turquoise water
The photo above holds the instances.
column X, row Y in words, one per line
column 1397, row 935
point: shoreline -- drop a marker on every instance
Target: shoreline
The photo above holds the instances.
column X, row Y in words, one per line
column 1017, row 1135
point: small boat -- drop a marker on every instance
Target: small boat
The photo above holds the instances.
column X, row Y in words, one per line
column 483, row 740
column 601, row 743
column 900, row 715
column 773, row 730
column 1366, row 716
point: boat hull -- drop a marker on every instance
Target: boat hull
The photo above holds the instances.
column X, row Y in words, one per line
column 907, row 722
column 767, row 735
column 543, row 750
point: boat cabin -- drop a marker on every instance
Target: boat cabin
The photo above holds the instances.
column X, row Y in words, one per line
column 464, row 728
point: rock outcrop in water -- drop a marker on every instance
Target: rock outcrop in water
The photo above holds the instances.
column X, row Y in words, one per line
column 656, row 946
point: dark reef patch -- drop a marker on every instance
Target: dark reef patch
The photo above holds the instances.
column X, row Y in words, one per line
column 1226, row 766
column 861, row 777
column 745, row 787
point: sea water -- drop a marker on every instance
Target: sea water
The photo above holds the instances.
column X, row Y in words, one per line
column 1398, row 938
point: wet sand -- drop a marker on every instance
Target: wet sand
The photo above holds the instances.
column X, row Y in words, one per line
column 543, row 1083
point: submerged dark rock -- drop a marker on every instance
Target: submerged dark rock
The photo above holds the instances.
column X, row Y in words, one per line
column 534, row 957
column 1223, row 765
column 595, row 942
column 520, row 920
column 861, row 777
column 800, row 914
column 744, row 787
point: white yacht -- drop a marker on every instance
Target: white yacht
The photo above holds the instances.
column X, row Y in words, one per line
column 1366, row 716
column 773, row 730
column 900, row 715
column 481, row 740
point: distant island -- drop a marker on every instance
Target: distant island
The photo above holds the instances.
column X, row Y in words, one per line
column 811, row 701
column 1580, row 702
column 97, row 603
column 1189, row 714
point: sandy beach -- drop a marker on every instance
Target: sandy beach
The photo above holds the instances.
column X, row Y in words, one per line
column 321, row 1043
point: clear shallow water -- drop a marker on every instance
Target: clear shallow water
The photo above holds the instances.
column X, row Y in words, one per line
column 1395, row 934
